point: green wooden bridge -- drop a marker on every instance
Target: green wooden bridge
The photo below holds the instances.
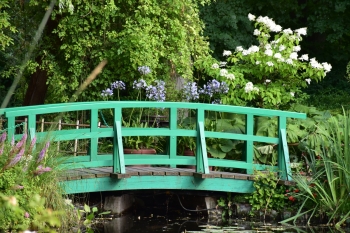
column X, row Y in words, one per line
column 95, row 171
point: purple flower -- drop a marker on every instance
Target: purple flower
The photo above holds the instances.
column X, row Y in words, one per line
column 26, row 215
column 141, row 84
column 119, row 85
column 3, row 137
column 40, row 170
column 42, row 152
column 190, row 91
column 156, row 92
column 15, row 160
column 21, row 143
column 214, row 87
column 32, row 144
column 144, row 70
column 107, row 92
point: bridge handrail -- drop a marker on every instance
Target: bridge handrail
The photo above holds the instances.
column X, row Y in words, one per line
column 119, row 160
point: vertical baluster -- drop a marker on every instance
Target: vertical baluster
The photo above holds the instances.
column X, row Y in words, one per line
column 172, row 146
column 249, row 144
column 93, row 140
column 76, row 140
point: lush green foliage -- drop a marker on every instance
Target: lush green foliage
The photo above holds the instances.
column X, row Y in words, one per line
column 268, row 195
column 327, row 193
column 30, row 196
column 328, row 33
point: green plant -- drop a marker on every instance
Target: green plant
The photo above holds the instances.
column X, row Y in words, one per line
column 268, row 194
column 90, row 215
column 227, row 205
column 270, row 75
column 327, row 193
column 27, row 174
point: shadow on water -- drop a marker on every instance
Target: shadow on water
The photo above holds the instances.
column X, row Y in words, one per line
column 157, row 224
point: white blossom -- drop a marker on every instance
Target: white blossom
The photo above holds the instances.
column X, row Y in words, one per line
column 281, row 48
column 304, row 57
column 226, row 53
column 245, row 52
column 269, row 63
column 268, row 52
column 308, row 80
column 288, row 31
column 296, row 48
column 253, row 49
column 257, row 62
column 239, row 48
column 289, row 61
column 269, row 23
column 256, row 32
column 326, row 66
column 292, row 94
column 277, row 55
column 249, row 87
column 267, row 81
column 222, row 63
column 301, row 31
column 230, row 76
column 223, row 72
column 268, row 46
column 315, row 64
column 251, row 17
column 215, row 66
column 293, row 56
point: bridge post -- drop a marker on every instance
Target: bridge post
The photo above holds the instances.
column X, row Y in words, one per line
column 118, row 153
column 201, row 148
column 172, row 146
column 283, row 153
column 249, row 145
column 93, row 128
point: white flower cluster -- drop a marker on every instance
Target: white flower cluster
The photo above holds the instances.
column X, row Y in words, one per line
column 269, row 23
column 308, row 80
column 225, row 73
column 252, row 49
column 249, row 87
column 226, row 53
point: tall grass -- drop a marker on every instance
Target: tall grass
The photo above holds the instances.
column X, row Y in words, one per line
column 327, row 193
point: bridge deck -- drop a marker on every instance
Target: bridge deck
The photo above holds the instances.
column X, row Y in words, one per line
column 90, row 173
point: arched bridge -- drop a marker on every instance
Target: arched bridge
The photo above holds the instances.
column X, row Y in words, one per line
column 227, row 130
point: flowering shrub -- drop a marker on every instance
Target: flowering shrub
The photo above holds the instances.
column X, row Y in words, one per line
column 23, row 176
column 272, row 73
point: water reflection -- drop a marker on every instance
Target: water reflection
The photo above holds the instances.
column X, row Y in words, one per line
column 157, row 224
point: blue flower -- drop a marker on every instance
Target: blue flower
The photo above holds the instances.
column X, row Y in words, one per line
column 214, row 87
column 144, row 70
column 156, row 92
column 190, row 91
column 119, row 85
column 107, row 92
column 141, row 84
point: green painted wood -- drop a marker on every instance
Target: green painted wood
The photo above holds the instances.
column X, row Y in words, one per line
column 157, row 182
column 10, row 128
column 287, row 169
column 118, row 160
column 249, row 146
column 172, row 148
column 118, row 153
column 199, row 143
column 282, row 124
column 203, row 147
column 79, row 106
column 93, row 140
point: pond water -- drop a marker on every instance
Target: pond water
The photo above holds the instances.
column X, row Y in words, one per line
column 165, row 212
column 157, row 224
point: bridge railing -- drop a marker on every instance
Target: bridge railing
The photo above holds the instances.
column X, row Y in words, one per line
column 119, row 160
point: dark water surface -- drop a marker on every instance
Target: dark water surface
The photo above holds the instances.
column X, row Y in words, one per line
column 157, row 224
